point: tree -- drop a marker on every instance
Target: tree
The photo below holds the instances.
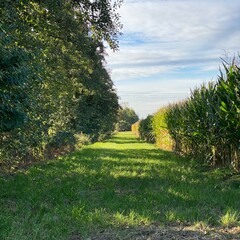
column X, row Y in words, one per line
column 126, row 117
column 53, row 80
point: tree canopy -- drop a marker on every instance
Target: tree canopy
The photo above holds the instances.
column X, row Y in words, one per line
column 52, row 73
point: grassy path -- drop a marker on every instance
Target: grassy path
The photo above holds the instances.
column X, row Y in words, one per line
column 119, row 184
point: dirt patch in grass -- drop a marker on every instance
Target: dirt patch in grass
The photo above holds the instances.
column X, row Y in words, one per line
column 165, row 233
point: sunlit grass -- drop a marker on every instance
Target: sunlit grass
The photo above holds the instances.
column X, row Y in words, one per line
column 231, row 218
column 118, row 183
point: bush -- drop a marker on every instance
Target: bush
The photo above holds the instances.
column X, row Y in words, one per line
column 62, row 142
column 145, row 129
column 82, row 139
column 61, row 139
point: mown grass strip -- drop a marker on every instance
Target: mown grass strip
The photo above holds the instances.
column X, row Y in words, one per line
column 118, row 183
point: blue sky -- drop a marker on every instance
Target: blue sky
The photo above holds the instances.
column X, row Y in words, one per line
column 171, row 46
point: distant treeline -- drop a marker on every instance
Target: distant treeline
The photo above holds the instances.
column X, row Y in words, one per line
column 206, row 126
column 55, row 90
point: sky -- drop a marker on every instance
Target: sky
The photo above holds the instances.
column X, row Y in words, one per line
column 169, row 47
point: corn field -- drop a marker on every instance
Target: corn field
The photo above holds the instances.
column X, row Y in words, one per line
column 134, row 128
column 207, row 125
column 160, row 130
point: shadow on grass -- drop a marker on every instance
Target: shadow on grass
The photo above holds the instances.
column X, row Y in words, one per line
column 123, row 141
column 104, row 187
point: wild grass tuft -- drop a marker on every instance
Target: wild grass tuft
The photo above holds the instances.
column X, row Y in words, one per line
column 231, row 218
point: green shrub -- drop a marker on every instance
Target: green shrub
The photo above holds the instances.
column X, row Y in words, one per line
column 82, row 139
column 145, row 129
column 60, row 139
column 60, row 143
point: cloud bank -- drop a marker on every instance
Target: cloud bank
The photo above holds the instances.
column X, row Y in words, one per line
column 171, row 44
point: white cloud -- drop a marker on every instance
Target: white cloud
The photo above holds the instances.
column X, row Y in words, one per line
column 172, row 36
column 146, row 97
column 178, row 20
column 129, row 73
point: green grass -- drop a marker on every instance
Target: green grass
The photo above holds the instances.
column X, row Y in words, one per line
column 118, row 183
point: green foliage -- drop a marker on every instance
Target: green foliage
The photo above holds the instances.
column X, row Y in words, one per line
column 81, row 140
column 126, row 117
column 207, row 125
column 99, row 103
column 14, row 76
column 160, row 130
column 52, row 75
column 145, row 129
column 61, row 139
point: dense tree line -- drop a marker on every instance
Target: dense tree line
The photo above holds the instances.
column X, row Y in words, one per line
column 53, row 80
column 126, row 117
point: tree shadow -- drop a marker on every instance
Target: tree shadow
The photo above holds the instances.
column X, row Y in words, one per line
column 153, row 185
column 123, row 141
